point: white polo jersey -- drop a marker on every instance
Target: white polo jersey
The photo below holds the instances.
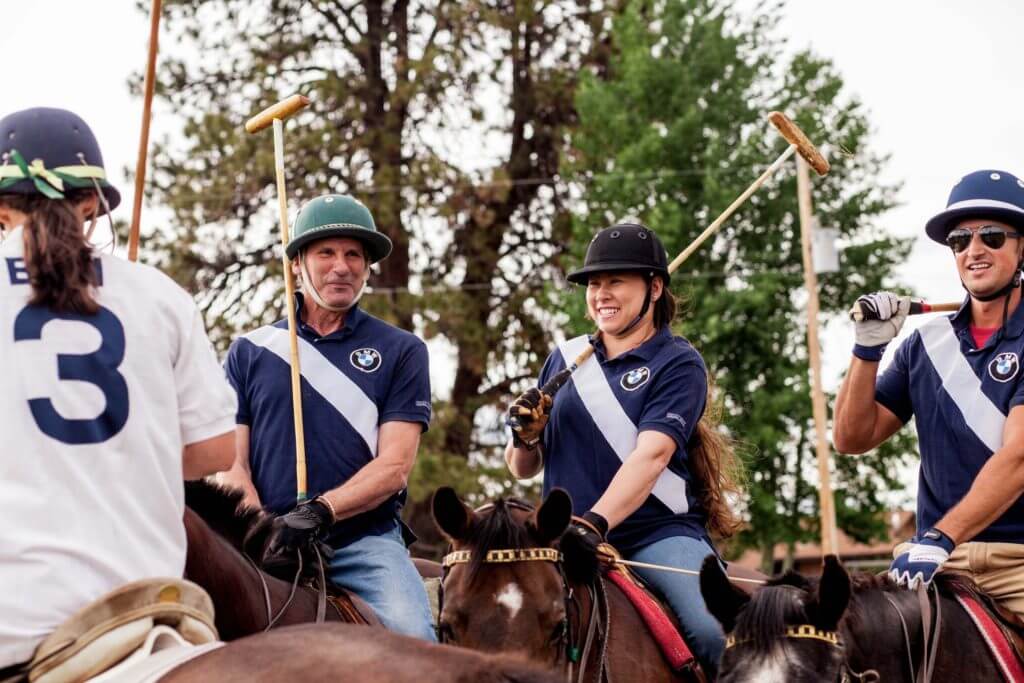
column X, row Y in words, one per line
column 94, row 413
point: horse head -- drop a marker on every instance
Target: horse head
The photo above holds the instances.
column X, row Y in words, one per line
column 787, row 631
column 504, row 588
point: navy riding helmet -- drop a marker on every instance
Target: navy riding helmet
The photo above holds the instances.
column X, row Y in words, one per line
column 623, row 247
column 989, row 194
column 47, row 151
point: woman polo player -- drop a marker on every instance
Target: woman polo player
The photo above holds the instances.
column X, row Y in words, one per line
column 626, row 437
column 110, row 393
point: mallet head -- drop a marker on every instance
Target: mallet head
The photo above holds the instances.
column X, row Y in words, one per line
column 281, row 110
column 804, row 146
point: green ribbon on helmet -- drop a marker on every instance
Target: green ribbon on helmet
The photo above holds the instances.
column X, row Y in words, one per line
column 49, row 182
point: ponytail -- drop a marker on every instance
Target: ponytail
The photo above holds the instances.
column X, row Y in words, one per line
column 58, row 258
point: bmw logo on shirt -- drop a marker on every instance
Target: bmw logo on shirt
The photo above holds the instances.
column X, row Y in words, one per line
column 366, row 360
column 634, row 379
column 1004, row 367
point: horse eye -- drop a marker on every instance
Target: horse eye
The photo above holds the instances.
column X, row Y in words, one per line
column 558, row 632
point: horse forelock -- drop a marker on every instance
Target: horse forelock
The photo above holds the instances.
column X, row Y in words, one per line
column 770, row 611
column 495, row 529
column 219, row 506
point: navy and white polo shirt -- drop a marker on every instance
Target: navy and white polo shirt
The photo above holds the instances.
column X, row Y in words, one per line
column 960, row 397
column 353, row 380
column 661, row 385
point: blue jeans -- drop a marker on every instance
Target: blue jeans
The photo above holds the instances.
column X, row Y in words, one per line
column 682, row 592
column 378, row 569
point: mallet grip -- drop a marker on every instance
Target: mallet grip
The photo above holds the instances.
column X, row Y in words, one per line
column 281, row 110
column 859, row 314
column 804, row 146
column 550, row 388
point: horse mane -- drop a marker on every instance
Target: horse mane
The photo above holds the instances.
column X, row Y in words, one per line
column 221, row 508
column 496, row 531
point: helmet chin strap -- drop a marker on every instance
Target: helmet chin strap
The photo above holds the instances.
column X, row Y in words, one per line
column 639, row 316
column 1003, row 291
column 307, row 286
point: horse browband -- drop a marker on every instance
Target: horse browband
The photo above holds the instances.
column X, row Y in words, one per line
column 504, row 556
column 801, row 631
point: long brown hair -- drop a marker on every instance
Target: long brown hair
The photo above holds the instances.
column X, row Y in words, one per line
column 713, row 455
column 717, row 467
column 58, row 258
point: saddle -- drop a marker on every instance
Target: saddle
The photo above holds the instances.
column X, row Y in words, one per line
column 107, row 631
column 1002, row 629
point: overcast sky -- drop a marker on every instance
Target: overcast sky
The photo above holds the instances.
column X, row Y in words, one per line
column 941, row 81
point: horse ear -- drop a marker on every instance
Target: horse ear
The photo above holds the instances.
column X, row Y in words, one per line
column 833, row 595
column 451, row 515
column 553, row 516
column 723, row 599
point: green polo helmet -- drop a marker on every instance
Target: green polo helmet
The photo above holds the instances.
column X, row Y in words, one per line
column 337, row 215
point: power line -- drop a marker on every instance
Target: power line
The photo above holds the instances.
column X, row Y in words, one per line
column 564, row 180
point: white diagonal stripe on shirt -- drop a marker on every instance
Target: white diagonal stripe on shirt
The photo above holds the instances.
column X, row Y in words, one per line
column 961, row 384
column 326, row 379
column 613, row 423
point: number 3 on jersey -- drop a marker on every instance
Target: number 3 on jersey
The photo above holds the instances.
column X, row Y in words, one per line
column 98, row 368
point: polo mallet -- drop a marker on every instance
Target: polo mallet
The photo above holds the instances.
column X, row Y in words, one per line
column 147, row 109
column 798, row 142
column 916, row 308
column 275, row 115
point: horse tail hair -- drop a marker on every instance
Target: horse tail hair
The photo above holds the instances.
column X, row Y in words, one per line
column 718, row 468
column 58, row 257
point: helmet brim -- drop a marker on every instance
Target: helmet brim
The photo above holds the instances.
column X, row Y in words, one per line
column 940, row 225
column 582, row 275
column 378, row 245
column 28, row 188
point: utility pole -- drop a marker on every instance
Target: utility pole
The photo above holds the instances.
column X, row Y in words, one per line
column 829, row 539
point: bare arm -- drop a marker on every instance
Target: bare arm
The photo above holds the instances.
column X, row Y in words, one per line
column 635, row 480
column 859, row 422
column 382, row 477
column 524, row 463
column 208, row 456
column 240, row 475
column 998, row 485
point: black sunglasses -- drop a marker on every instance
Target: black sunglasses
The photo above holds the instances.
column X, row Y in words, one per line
column 992, row 236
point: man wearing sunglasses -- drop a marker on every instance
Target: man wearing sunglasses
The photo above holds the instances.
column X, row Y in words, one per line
column 960, row 377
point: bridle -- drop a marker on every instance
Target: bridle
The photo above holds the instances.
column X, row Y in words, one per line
column 808, row 631
column 564, row 646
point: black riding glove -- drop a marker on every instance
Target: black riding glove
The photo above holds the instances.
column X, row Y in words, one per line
column 581, row 545
column 592, row 528
column 528, row 415
column 307, row 523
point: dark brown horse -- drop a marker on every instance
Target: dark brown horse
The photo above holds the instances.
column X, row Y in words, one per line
column 511, row 592
column 343, row 653
column 841, row 629
column 246, row 599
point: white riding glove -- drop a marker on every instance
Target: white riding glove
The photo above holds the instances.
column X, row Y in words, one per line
column 884, row 315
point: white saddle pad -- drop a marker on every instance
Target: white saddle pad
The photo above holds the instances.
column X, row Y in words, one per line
column 163, row 650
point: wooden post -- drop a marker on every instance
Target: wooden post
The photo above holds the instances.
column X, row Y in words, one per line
column 829, row 539
column 147, row 108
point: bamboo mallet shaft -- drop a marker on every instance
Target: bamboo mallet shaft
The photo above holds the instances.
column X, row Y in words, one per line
column 275, row 116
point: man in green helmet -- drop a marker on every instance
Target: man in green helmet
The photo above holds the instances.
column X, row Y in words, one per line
column 365, row 403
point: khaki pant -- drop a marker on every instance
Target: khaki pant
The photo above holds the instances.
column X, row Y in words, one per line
column 998, row 568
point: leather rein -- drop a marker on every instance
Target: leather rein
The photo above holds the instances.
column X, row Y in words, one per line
column 321, row 604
